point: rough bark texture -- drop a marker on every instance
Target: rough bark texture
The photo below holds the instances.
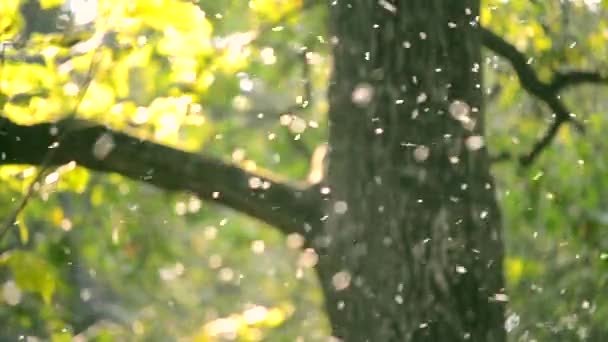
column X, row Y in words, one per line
column 411, row 249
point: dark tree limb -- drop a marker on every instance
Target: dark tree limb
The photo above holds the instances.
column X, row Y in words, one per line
column 289, row 207
column 44, row 164
column 527, row 159
column 542, row 143
column 543, row 91
column 284, row 206
column 563, row 80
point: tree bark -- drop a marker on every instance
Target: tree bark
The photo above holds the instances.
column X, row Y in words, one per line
column 411, row 249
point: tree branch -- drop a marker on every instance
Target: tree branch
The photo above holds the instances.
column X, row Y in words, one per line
column 542, row 143
column 286, row 206
column 546, row 92
column 562, row 80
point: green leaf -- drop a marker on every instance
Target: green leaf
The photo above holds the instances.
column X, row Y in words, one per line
column 33, row 273
column 61, row 337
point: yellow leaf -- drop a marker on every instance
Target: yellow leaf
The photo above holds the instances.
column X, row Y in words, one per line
column 98, row 99
column 275, row 317
column 514, row 269
column 24, row 233
column 10, row 20
column 76, row 180
column 274, row 9
column 46, row 4
column 61, row 337
column 56, row 216
column 97, row 196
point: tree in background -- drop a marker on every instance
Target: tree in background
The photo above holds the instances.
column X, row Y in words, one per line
column 403, row 230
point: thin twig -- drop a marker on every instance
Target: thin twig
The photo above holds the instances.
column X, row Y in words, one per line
column 10, row 221
column 562, row 80
column 543, row 91
column 44, row 166
column 542, row 143
column 296, row 139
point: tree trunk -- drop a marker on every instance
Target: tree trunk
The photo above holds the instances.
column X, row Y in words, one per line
column 411, row 249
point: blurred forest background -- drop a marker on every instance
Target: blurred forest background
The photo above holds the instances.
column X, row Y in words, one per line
column 99, row 257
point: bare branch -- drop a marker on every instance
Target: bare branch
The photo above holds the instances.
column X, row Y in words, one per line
column 519, row 62
column 287, row 222
column 562, row 80
column 542, row 143
column 12, row 217
column 546, row 92
column 289, row 207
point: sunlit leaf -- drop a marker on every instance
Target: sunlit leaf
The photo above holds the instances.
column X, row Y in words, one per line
column 33, row 273
column 24, row 233
column 10, row 20
column 46, row 4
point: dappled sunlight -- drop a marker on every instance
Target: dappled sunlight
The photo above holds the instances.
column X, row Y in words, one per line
column 286, row 170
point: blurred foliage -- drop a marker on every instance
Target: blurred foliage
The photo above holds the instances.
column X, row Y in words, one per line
column 97, row 257
column 555, row 212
